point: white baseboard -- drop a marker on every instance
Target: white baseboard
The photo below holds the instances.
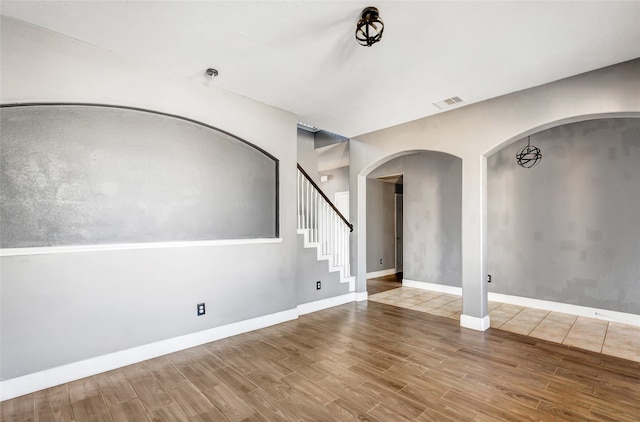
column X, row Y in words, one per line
column 603, row 314
column 26, row 384
column 361, row 296
column 59, row 375
column 475, row 323
column 382, row 273
column 440, row 288
column 467, row 321
column 352, row 283
column 318, row 305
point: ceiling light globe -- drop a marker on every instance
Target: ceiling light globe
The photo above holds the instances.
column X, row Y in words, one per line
column 369, row 28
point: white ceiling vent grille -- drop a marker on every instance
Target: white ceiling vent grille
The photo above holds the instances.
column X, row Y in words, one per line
column 448, row 102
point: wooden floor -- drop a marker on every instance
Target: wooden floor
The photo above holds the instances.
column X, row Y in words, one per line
column 383, row 284
column 363, row 361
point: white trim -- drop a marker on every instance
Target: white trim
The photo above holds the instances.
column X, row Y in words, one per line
column 475, row 323
column 329, row 258
column 382, row 273
column 441, row 288
column 55, row 376
column 318, row 305
column 399, row 268
column 567, row 308
column 343, row 211
column 361, row 296
column 130, row 246
column 352, row 283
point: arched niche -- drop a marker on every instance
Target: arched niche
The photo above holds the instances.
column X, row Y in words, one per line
column 86, row 174
column 566, row 230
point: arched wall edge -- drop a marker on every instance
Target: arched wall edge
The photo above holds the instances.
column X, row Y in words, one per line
column 268, row 155
column 556, row 123
column 143, row 110
column 370, row 168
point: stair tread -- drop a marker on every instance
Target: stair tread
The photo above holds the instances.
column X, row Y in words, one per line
column 325, row 257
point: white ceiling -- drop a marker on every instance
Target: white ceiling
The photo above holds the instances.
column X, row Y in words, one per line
column 302, row 56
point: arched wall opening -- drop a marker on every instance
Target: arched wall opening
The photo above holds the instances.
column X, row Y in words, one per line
column 565, row 230
column 473, row 133
column 432, row 215
column 474, row 294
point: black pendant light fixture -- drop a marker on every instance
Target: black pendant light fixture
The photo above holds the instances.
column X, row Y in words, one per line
column 529, row 156
column 369, row 28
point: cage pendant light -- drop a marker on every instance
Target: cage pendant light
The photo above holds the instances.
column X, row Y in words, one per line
column 529, row 155
column 369, row 28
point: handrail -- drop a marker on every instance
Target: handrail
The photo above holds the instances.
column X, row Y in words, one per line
column 325, row 197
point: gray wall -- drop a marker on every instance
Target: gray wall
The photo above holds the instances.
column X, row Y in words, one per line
column 432, row 207
column 332, row 160
column 324, row 138
column 93, row 175
column 311, row 270
column 380, row 226
column 338, row 181
column 62, row 308
column 307, row 155
column 568, row 230
column 333, row 156
column 59, row 308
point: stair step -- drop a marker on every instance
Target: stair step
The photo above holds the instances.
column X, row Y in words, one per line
column 329, row 258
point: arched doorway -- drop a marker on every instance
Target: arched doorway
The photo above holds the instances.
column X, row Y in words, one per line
column 432, row 195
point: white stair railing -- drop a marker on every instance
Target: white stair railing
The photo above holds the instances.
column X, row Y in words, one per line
column 326, row 226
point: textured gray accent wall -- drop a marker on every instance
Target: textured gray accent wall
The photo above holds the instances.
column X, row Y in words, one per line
column 432, row 220
column 380, row 225
column 568, row 230
column 77, row 175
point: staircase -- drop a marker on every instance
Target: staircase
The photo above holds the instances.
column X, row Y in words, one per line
column 324, row 227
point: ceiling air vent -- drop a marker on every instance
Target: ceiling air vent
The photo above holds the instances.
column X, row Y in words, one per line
column 448, row 102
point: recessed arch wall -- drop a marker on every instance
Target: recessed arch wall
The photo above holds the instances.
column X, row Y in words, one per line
column 88, row 174
column 565, row 230
column 474, row 131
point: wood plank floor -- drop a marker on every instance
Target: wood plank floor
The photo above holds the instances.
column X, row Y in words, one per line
column 360, row 361
column 383, row 284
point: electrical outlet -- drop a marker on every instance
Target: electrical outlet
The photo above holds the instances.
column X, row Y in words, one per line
column 201, row 310
column 318, row 285
column 380, row 261
column 488, row 278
